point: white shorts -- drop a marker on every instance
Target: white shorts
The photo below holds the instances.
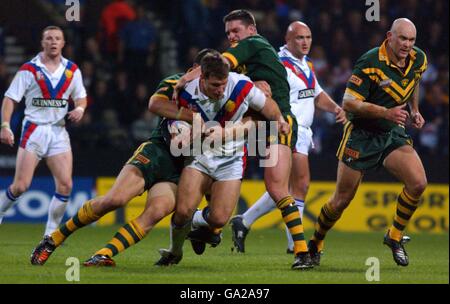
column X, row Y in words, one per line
column 304, row 140
column 44, row 140
column 220, row 168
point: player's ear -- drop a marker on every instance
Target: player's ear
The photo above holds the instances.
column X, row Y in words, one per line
column 252, row 29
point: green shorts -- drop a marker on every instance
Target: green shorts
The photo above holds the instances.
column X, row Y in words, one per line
column 288, row 140
column 364, row 150
column 156, row 163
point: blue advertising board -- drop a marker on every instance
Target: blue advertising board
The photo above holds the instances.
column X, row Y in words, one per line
column 32, row 206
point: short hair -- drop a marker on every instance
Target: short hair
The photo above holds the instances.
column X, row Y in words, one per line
column 51, row 27
column 243, row 15
column 214, row 65
column 198, row 58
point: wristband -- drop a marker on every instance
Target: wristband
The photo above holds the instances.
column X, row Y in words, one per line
column 5, row 125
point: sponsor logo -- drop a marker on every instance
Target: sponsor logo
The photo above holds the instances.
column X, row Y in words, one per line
column 405, row 82
column 49, row 103
column 351, row 153
column 141, row 158
column 69, row 73
column 356, row 80
column 307, row 93
column 385, row 83
column 230, row 106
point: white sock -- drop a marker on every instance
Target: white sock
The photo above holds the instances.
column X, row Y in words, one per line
column 7, row 200
column 198, row 220
column 177, row 237
column 264, row 205
column 300, row 205
column 56, row 212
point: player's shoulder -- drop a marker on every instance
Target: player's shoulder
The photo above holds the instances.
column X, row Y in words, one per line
column 421, row 57
column 256, row 41
column 234, row 77
column 172, row 79
column 368, row 59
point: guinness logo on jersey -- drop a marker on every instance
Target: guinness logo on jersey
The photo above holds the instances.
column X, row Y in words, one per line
column 307, row 93
column 49, row 103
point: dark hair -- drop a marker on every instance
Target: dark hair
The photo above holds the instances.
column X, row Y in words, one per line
column 243, row 15
column 214, row 65
column 51, row 27
column 203, row 53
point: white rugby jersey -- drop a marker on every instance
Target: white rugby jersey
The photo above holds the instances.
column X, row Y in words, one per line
column 304, row 86
column 240, row 94
column 46, row 94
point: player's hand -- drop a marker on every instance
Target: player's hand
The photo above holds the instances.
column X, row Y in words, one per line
column 397, row 114
column 417, row 120
column 340, row 115
column 283, row 126
column 76, row 114
column 7, row 136
column 264, row 86
column 178, row 87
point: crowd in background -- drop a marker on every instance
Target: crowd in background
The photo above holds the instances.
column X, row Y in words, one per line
column 119, row 55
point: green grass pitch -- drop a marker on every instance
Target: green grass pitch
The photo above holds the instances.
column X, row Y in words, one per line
column 265, row 261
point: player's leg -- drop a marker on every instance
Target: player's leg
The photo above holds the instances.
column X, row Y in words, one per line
column 26, row 163
column 347, row 184
column 128, row 184
column 299, row 183
column 60, row 166
column 160, row 203
column 191, row 188
column 405, row 164
column 240, row 224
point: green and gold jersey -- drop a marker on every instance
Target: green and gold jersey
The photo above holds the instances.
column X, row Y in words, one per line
column 377, row 80
column 256, row 58
column 164, row 90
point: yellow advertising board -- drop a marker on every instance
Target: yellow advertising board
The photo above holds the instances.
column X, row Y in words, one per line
column 372, row 209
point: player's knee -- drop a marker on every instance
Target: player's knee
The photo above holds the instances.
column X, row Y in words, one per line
column 185, row 213
column 65, row 187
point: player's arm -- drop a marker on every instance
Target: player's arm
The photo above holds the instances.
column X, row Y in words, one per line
column 79, row 96
column 268, row 108
column 77, row 113
column 162, row 106
column 416, row 117
column 325, row 103
column 366, row 109
column 13, row 95
column 356, row 94
column 6, row 135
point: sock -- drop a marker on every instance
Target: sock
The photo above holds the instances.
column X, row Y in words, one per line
column 326, row 220
column 128, row 235
column 198, row 220
column 7, row 200
column 177, row 236
column 263, row 205
column 406, row 205
column 293, row 221
column 56, row 211
column 300, row 205
column 85, row 216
